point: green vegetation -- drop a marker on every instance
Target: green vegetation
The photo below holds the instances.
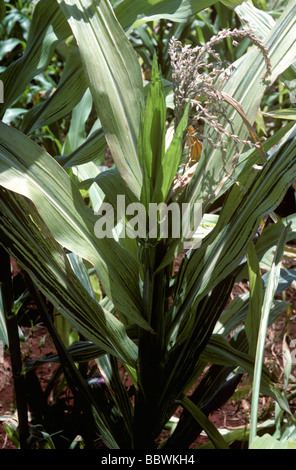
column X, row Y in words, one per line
column 113, row 110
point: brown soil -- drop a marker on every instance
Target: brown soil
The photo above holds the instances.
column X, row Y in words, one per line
column 37, row 344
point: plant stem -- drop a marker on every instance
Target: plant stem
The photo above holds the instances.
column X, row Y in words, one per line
column 150, row 364
column 14, row 348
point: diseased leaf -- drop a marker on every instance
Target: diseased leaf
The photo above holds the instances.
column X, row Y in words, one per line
column 28, row 239
column 115, row 80
column 27, row 169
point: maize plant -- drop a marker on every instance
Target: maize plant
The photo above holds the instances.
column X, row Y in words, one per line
column 66, row 217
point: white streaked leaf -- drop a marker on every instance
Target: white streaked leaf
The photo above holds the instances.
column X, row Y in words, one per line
column 27, row 169
column 115, row 80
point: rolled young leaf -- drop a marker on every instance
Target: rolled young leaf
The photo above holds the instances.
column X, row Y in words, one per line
column 256, row 297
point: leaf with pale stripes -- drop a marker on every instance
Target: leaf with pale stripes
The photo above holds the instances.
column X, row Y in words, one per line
column 92, row 149
column 27, row 169
column 115, row 80
column 205, row 423
column 29, row 241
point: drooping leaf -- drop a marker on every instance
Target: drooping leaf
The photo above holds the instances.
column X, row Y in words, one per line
column 27, row 169
column 206, row 424
column 29, row 241
column 67, row 95
column 131, row 14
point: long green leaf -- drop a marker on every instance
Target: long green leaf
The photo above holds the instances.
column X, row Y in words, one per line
column 69, row 92
column 268, row 241
column 261, row 23
column 3, row 329
column 48, row 28
column 237, row 310
column 170, row 162
column 267, row 301
column 93, row 148
column 225, row 247
column 205, row 423
column 30, row 171
column 219, row 351
column 152, row 138
column 269, row 442
column 115, row 80
column 131, row 14
column 256, row 298
column 29, row 241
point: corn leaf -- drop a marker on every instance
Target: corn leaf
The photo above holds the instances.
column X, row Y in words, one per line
column 152, row 136
column 115, row 80
column 3, row 329
column 257, row 195
column 131, row 14
column 27, row 238
column 269, row 442
column 69, row 92
column 2, row 10
column 48, row 28
column 30, row 171
column 170, row 162
column 271, row 287
column 289, row 114
column 261, row 23
column 256, row 297
column 92, row 149
column 205, row 423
